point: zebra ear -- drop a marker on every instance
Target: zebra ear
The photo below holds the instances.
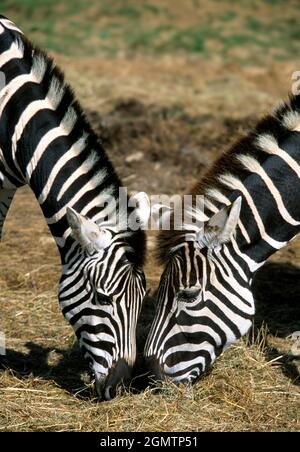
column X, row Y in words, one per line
column 221, row 226
column 87, row 233
column 140, row 217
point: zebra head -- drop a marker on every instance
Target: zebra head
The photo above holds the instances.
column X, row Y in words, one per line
column 204, row 302
column 101, row 293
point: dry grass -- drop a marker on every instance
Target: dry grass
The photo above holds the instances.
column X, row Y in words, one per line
column 202, row 87
column 243, row 392
column 253, row 386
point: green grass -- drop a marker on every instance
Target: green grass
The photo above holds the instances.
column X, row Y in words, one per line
column 143, row 38
column 190, row 40
column 275, row 2
column 108, row 27
column 154, row 9
column 131, row 12
column 227, row 16
column 253, row 24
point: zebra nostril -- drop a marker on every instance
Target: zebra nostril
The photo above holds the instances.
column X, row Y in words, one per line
column 120, row 375
column 109, row 393
column 155, row 371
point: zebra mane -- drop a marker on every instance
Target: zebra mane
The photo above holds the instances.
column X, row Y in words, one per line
column 60, row 94
column 256, row 146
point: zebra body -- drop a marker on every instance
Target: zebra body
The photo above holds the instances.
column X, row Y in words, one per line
column 251, row 209
column 46, row 142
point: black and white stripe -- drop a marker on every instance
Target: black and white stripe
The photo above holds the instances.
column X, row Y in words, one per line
column 46, row 142
column 251, row 209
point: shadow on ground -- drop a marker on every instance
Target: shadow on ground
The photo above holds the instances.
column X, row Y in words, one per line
column 67, row 373
column 277, row 293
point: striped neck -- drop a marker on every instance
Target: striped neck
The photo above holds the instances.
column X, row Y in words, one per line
column 270, row 214
column 49, row 144
column 264, row 169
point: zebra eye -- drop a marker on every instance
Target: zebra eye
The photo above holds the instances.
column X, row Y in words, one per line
column 188, row 294
column 102, row 299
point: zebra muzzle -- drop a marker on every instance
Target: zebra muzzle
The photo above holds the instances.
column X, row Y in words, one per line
column 119, row 375
column 155, row 371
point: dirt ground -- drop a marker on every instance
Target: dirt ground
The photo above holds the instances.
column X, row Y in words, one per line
column 163, row 122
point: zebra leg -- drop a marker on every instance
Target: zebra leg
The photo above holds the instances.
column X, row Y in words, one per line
column 6, row 196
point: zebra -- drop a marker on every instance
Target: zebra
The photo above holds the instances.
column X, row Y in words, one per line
column 47, row 143
column 251, row 209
